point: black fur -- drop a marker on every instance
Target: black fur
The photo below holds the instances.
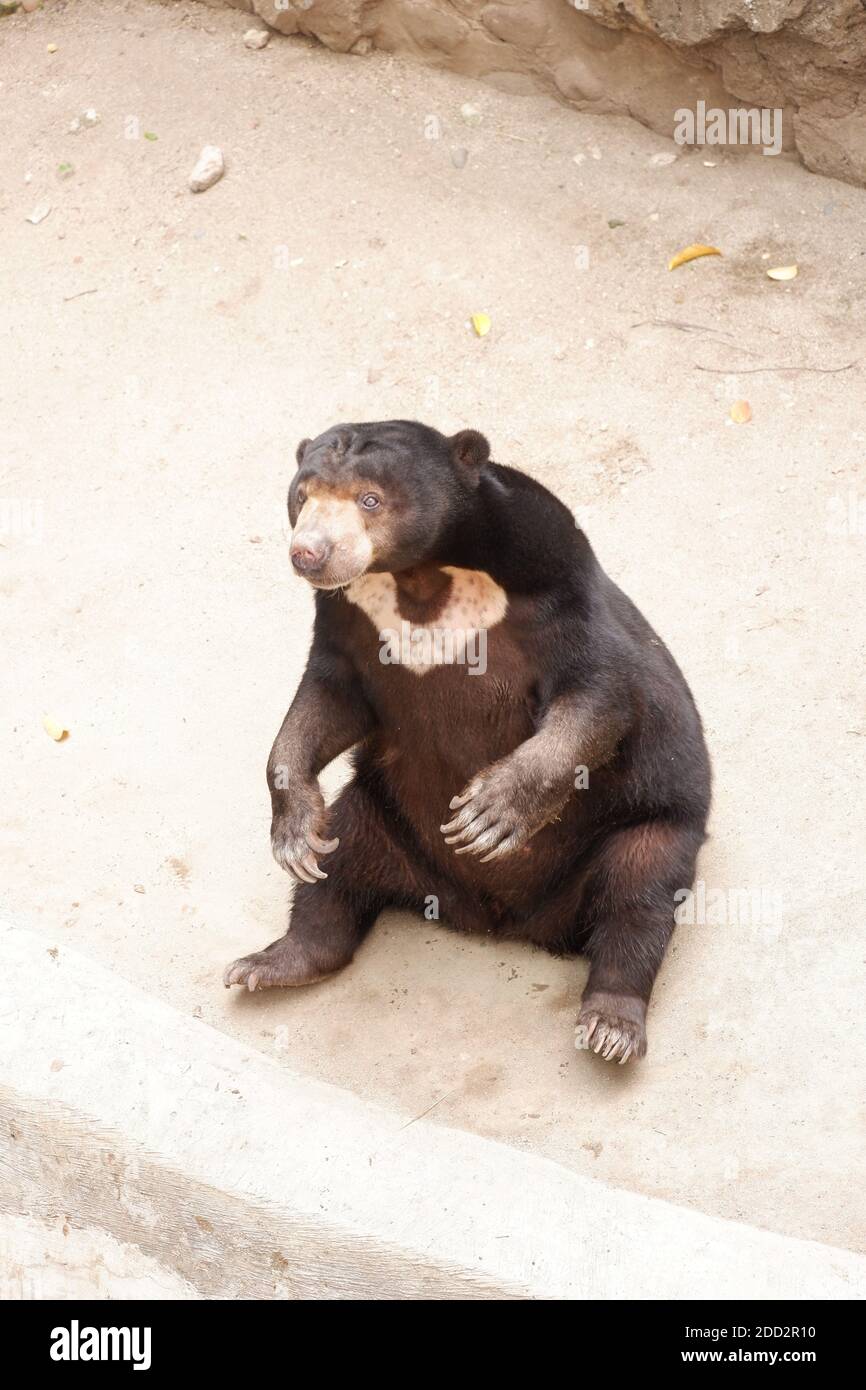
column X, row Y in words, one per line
column 576, row 678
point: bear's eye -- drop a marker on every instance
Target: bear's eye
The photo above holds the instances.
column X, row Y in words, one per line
column 369, row 501
column 300, row 497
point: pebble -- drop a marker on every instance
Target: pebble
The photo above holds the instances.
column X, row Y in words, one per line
column 257, row 38
column 470, row 114
column 208, row 170
column 39, row 213
column 459, row 156
column 660, row 161
column 88, row 118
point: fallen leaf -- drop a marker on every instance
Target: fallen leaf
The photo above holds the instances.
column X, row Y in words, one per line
column 692, row 253
column 149, row 135
column 741, row 412
column 783, row 272
column 614, row 222
column 139, row 888
column 481, row 324
column 53, row 729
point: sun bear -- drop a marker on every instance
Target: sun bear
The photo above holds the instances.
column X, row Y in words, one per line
column 556, row 791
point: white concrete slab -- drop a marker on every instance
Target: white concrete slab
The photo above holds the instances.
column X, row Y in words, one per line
column 129, row 1125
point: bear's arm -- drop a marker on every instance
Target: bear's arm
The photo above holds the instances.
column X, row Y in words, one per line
column 509, row 802
column 328, row 715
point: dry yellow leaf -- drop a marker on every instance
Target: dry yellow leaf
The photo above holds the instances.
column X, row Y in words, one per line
column 692, row 253
column 481, row 324
column 741, row 412
column 783, row 272
column 53, row 729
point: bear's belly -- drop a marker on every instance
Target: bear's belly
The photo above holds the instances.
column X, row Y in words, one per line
column 452, row 680
column 435, row 735
column 447, row 671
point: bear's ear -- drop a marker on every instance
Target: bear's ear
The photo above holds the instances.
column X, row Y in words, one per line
column 299, row 452
column 469, row 449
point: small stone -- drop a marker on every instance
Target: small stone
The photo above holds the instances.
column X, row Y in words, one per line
column 51, row 48
column 257, row 38
column 82, row 122
column 470, row 114
column 39, row 213
column 459, row 156
column 139, row 888
column 362, row 45
column 208, row 170
column 663, row 159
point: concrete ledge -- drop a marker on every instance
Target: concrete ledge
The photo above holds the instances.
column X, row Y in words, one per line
column 145, row 1152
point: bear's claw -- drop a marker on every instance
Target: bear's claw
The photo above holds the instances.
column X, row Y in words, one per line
column 612, row 1028
column 271, row 969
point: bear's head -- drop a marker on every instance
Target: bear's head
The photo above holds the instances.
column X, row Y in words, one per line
column 378, row 497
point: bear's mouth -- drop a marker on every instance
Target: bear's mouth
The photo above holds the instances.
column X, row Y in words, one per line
column 329, row 583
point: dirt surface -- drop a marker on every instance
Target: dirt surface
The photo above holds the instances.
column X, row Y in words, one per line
column 642, row 58
column 164, row 352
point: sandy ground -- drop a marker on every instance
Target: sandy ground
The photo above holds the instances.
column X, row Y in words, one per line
column 163, row 354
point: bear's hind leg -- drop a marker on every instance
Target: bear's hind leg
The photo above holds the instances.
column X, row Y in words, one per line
column 628, row 915
column 324, row 932
column 367, row 872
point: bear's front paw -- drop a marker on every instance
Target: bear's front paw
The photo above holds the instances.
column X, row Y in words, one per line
column 296, row 835
column 497, row 813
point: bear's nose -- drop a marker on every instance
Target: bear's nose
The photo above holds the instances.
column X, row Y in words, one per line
column 308, row 556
